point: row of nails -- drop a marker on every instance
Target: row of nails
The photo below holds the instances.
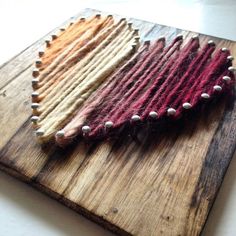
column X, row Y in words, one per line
column 154, row 115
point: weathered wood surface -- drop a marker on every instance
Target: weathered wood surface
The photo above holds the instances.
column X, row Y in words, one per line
column 164, row 184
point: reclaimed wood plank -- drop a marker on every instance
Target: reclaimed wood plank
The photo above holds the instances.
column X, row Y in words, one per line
column 162, row 183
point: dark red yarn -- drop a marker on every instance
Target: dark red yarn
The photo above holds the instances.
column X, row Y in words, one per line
column 218, row 65
column 152, row 63
column 181, row 89
column 151, row 56
column 144, row 81
column 140, row 106
column 158, row 79
column 129, row 80
column 170, row 82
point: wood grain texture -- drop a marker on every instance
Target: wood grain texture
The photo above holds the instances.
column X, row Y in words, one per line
column 163, row 182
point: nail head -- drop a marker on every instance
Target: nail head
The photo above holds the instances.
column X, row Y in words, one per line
column 41, row 52
column 217, row 88
column 48, row 42
column 34, row 119
column 38, row 62
column 34, row 105
column 205, row 95
column 54, row 36
column 179, row 36
column 226, row 78
column 195, row 37
column 153, row 114
column 35, row 72
column 211, row 42
column 86, row 129
column 108, row 124
column 60, row 133
column 171, row 111
column 231, row 69
column 135, row 118
column 35, row 94
column 35, row 81
column 187, row 105
column 231, row 58
column 39, row 132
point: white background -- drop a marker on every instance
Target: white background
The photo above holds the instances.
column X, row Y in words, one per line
column 23, row 210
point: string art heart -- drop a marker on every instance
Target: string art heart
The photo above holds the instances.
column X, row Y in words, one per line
column 95, row 77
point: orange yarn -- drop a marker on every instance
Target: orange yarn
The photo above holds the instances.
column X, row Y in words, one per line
column 74, row 31
column 80, row 52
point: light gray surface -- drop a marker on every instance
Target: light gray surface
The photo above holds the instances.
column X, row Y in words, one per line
column 25, row 211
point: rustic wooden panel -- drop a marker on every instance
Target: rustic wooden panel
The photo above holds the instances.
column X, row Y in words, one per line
column 163, row 182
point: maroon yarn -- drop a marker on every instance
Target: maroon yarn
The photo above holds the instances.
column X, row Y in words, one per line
column 210, row 91
column 144, row 80
column 215, row 77
column 145, row 63
column 203, row 75
column 159, row 79
column 177, row 71
column 209, row 83
column 129, row 80
column 218, row 64
column 179, row 91
column 133, row 108
column 154, row 61
column 140, row 67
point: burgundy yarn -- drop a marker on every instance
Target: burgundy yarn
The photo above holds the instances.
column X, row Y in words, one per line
column 219, row 81
column 139, row 68
column 212, row 71
column 144, row 80
column 205, row 82
column 162, row 81
column 131, row 77
column 113, row 97
column 156, row 83
column 148, row 65
column 133, row 108
column 155, row 79
column 177, row 94
column 144, row 65
column 173, row 78
column 210, row 82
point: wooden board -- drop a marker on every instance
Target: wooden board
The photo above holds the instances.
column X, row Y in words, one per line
column 163, row 183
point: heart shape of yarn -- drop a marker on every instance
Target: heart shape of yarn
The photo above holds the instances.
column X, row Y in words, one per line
column 94, row 77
